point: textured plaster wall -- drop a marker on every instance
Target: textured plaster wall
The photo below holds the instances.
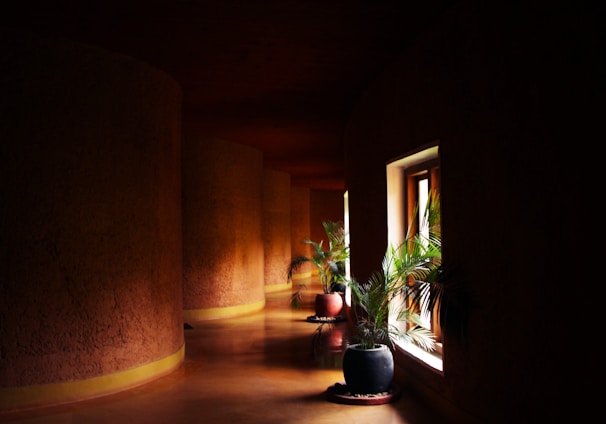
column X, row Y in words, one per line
column 222, row 224
column 276, row 226
column 324, row 205
column 508, row 93
column 308, row 209
column 299, row 224
column 90, row 217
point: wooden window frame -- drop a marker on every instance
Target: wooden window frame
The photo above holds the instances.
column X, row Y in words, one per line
column 403, row 175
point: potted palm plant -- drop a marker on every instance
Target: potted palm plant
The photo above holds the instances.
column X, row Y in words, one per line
column 330, row 264
column 408, row 275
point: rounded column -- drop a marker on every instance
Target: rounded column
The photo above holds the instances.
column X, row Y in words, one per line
column 91, row 277
column 276, row 229
column 222, row 229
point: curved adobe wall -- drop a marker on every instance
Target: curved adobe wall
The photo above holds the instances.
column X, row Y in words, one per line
column 90, row 280
column 300, row 228
column 222, row 229
column 276, row 229
column 324, row 205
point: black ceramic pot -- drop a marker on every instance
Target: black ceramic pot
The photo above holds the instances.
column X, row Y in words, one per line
column 368, row 371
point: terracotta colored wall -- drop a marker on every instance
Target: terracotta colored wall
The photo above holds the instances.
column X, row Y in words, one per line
column 324, row 205
column 222, row 228
column 299, row 223
column 276, row 227
column 90, row 217
column 508, row 93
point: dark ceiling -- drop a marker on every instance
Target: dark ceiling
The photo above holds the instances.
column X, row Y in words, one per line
column 278, row 75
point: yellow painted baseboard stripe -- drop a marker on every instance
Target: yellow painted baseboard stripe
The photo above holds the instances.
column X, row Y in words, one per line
column 271, row 288
column 302, row 275
column 71, row 391
column 223, row 312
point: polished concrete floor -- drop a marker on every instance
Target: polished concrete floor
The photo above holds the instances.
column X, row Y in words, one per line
column 271, row 367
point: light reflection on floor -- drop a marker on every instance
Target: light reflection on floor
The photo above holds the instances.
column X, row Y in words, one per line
column 271, row 367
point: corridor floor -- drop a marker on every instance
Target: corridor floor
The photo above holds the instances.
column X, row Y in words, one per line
column 269, row 367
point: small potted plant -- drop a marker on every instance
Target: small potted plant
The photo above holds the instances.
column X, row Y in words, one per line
column 330, row 264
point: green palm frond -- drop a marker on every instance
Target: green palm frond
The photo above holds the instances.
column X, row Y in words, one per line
column 296, row 264
column 330, row 262
column 419, row 336
column 406, row 280
column 296, row 299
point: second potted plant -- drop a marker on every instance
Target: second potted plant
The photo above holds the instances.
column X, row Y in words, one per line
column 330, row 264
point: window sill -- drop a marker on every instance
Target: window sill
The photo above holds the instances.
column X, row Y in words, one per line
column 432, row 359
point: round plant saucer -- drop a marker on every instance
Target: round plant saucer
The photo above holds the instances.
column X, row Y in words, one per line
column 339, row 393
column 317, row 319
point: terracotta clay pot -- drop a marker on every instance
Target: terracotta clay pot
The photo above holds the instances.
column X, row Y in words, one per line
column 331, row 338
column 328, row 305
